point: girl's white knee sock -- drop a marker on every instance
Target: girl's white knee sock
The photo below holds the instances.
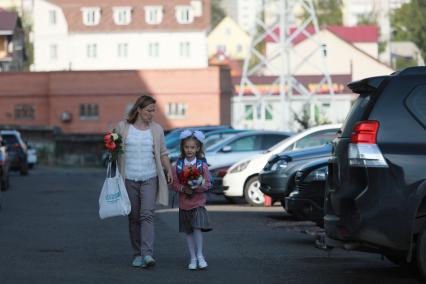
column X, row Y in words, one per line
column 198, row 236
column 191, row 245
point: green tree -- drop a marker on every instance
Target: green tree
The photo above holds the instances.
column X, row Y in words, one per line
column 409, row 23
column 217, row 13
column 329, row 12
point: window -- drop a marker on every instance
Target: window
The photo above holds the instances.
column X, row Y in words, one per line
column 176, row 110
column 184, row 14
column 416, row 103
column 239, row 48
column 221, row 48
column 153, row 49
column 270, row 140
column 91, row 16
column 268, row 112
column 122, row 50
column 184, row 49
column 316, row 139
column 228, row 31
column 24, row 112
column 122, row 15
column 92, row 50
column 52, row 17
column 89, row 111
column 153, row 15
column 53, row 52
column 248, row 112
column 249, row 143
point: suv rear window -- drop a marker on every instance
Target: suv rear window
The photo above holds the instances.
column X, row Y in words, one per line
column 416, row 103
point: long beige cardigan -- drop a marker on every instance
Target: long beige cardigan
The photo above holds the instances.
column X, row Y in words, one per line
column 159, row 150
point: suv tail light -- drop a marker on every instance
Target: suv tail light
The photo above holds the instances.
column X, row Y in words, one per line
column 363, row 150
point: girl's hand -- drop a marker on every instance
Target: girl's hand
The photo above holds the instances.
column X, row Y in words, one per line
column 188, row 191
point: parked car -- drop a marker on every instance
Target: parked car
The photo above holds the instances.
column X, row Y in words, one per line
column 17, row 150
column 32, row 156
column 376, row 185
column 172, row 138
column 277, row 177
column 242, row 178
column 242, row 145
column 4, row 166
column 212, row 137
column 306, row 202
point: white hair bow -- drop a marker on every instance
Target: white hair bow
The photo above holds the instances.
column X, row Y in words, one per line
column 197, row 134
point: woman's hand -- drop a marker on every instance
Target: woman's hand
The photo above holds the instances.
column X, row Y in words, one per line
column 169, row 177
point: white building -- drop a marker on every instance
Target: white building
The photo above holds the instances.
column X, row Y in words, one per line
column 349, row 50
column 355, row 10
column 23, row 7
column 243, row 12
column 131, row 34
column 351, row 54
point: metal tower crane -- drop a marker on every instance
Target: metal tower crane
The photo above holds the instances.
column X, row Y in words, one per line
column 277, row 22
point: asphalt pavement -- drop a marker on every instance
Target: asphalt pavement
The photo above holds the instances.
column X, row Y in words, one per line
column 50, row 232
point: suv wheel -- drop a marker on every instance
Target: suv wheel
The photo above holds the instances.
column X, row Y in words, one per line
column 252, row 193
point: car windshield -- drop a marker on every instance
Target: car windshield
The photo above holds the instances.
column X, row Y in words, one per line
column 276, row 146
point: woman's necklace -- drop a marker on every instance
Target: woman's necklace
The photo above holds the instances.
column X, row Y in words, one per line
column 141, row 125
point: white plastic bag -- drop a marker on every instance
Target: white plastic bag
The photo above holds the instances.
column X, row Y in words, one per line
column 113, row 200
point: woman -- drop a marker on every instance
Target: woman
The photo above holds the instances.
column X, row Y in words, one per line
column 141, row 165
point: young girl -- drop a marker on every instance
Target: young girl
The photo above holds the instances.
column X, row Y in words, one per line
column 193, row 217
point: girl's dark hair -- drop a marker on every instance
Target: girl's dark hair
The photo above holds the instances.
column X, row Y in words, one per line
column 200, row 153
column 141, row 102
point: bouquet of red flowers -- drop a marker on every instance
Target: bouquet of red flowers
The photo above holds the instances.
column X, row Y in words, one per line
column 192, row 177
column 114, row 144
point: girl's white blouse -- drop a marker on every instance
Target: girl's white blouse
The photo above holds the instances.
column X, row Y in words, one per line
column 139, row 153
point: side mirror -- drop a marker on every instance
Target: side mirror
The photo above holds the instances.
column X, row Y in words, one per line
column 226, row 149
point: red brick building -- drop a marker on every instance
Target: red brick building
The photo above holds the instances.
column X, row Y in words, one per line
column 90, row 102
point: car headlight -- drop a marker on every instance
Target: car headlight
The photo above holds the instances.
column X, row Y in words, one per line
column 239, row 167
column 317, row 175
column 279, row 165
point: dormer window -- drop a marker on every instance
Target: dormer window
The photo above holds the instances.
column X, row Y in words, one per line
column 184, row 14
column 153, row 15
column 122, row 15
column 91, row 16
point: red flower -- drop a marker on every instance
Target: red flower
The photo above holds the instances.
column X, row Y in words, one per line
column 110, row 145
column 113, row 143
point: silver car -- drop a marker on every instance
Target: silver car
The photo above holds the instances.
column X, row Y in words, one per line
column 242, row 145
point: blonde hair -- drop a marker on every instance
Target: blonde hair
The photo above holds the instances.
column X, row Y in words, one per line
column 141, row 102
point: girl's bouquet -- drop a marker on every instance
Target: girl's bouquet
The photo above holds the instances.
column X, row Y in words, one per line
column 192, row 177
column 114, row 144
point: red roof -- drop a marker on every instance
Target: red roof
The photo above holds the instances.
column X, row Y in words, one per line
column 8, row 21
column 350, row 34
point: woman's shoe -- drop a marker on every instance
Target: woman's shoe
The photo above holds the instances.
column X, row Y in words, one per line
column 193, row 264
column 148, row 261
column 202, row 263
column 137, row 262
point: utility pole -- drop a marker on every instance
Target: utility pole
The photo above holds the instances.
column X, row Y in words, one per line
column 276, row 23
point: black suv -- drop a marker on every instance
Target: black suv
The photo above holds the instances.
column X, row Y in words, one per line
column 376, row 185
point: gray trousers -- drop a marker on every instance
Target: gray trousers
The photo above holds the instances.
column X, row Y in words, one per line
column 141, row 218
